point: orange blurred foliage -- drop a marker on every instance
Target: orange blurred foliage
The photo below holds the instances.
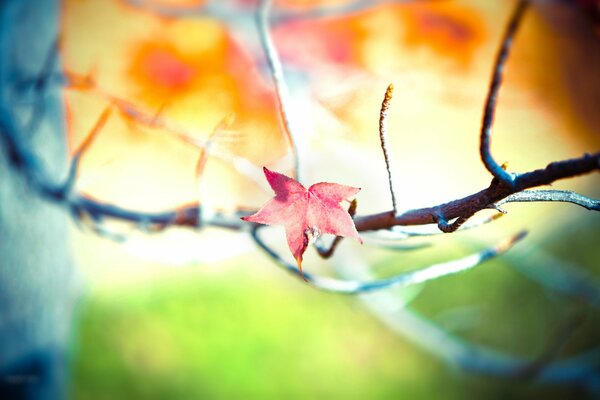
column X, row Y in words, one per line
column 448, row 29
column 189, row 72
column 193, row 72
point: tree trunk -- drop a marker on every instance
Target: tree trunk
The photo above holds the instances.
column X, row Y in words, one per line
column 37, row 279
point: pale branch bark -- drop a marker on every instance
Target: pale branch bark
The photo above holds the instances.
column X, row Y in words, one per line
column 565, row 196
column 281, row 88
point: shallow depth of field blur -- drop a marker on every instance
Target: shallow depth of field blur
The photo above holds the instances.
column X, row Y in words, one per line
column 183, row 314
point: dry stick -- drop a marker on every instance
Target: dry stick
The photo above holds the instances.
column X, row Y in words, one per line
column 383, row 137
column 492, row 97
column 281, row 89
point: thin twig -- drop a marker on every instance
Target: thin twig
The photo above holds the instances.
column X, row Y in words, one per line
column 492, row 96
column 78, row 154
column 281, row 88
column 210, row 142
column 205, row 153
column 447, row 227
column 422, row 275
column 383, row 139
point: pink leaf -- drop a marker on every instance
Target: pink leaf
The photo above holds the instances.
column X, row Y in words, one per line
column 306, row 213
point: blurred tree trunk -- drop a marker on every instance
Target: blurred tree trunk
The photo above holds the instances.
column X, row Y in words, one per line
column 36, row 269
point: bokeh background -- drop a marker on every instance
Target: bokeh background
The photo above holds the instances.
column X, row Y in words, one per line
column 184, row 314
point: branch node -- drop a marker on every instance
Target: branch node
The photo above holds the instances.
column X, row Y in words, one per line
column 447, row 227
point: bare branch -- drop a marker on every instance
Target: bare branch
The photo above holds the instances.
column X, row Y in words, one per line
column 383, row 138
column 492, row 97
column 484, row 199
column 186, row 215
column 429, row 273
column 281, row 89
column 566, row 196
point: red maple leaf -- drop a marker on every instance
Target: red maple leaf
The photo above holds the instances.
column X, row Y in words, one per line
column 306, row 214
